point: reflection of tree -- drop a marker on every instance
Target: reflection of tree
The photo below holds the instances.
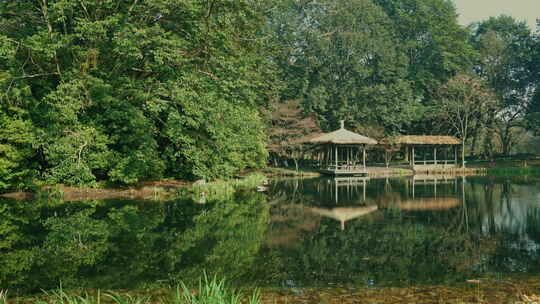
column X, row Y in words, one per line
column 224, row 239
column 435, row 240
column 394, row 252
column 18, row 234
column 123, row 244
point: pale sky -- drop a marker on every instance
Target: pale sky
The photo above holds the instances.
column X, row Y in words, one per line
column 478, row 10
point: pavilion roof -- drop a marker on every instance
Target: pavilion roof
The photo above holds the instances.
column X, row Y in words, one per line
column 343, row 137
column 422, row 140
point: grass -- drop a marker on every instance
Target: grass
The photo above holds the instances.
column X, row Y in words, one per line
column 209, row 291
column 212, row 292
column 290, row 172
column 224, row 188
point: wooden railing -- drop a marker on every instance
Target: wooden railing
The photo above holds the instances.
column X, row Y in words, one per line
column 436, row 162
column 344, row 167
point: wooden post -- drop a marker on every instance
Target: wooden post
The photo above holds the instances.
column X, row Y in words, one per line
column 336, row 160
column 364, row 155
column 413, row 185
column 455, row 155
column 364, row 188
column 412, row 158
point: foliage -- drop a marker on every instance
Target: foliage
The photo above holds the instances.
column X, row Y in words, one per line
column 128, row 91
column 16, row 138
column 334, row 72
column 289, row 128
column 504, row 45
column 460, row 103
column 435, row 44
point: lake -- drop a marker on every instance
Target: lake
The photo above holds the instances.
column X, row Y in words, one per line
column 319, row 232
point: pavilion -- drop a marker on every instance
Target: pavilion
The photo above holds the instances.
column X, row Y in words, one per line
column 341, row 152
column 426, row 152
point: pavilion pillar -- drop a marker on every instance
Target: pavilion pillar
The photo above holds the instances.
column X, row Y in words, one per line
column 364, row 155
column 435, row 154
column 412, row 157
column 455, row 156
column 336, row 160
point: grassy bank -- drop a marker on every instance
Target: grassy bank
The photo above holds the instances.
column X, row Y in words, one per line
column 209, row 291
column 224, row 188
column 289, row 172
column 215, row 291
column 156, row 191
column 513, row 171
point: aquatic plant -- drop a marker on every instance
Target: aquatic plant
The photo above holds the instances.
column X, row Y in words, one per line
column 226, row 188
column 3, row 296
column 61, row 297
column 127, row 299
column 212, row 291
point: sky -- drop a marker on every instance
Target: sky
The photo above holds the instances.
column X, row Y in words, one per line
column 478, row 10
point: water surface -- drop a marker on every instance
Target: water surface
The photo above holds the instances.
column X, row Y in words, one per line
column 300, row 233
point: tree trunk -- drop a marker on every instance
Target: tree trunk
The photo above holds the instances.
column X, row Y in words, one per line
column 463, row 154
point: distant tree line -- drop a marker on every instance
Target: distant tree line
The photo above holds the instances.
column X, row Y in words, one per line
column 124, row 91
column 407, row 67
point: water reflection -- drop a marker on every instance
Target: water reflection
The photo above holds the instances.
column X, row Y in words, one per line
column 315, row 232
column 425, row 229
column 126, row 244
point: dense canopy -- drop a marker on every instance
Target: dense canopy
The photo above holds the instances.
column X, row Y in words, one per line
column 126, row 91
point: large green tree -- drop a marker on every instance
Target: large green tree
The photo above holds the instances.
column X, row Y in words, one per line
column 434, row 43
column 462, row 102
column 133, row 90
column 344, row 62
column 505, row 49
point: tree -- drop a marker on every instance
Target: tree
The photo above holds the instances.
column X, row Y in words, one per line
column 429, row 35
column 289, row 126
column 135, row 90
column 335, row 72
column 461, row 102
column 504, row 45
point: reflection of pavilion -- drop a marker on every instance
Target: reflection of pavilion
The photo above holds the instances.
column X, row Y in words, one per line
column 431, row 203
column 437, row 201
column 344, row 214
column 344, row 191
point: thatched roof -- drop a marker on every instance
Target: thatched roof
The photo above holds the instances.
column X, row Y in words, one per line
column 343, row 137
column 421, row 140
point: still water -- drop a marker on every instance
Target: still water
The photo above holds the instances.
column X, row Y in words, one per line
column 299, row 233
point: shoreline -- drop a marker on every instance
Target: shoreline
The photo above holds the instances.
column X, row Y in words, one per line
column 160, row 190
column 514, row 290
